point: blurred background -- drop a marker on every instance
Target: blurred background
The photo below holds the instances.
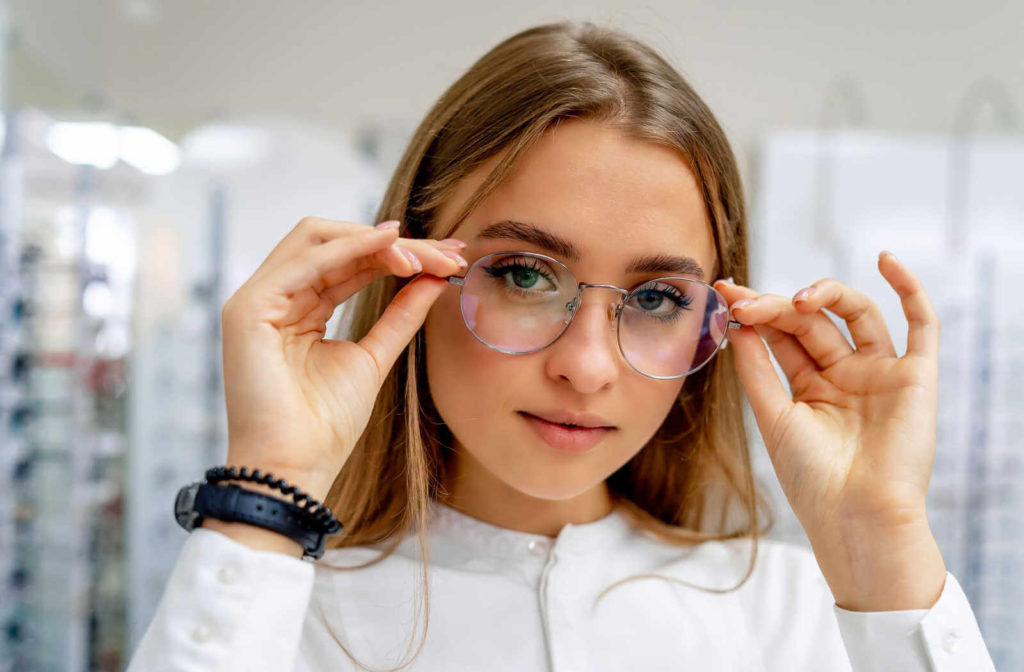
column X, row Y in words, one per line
column 153, row 152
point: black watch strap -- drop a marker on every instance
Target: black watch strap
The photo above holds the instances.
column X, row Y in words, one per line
column 231, row 503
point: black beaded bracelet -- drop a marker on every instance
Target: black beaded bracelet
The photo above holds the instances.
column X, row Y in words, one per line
column 320, row 514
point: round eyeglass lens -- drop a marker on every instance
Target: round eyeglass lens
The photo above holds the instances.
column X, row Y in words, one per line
column 672, row 326
column 517, row 303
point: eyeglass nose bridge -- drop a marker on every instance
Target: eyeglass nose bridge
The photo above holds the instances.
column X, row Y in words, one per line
column 573, row 306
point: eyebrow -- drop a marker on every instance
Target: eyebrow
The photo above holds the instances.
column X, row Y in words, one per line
column 529, row 233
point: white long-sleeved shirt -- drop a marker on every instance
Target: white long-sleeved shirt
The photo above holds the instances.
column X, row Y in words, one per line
column 504, row 601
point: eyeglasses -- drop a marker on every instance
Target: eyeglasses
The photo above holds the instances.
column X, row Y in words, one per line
column 521, row 302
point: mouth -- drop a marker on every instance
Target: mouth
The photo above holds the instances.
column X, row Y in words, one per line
column 566, row 437
column 572, row 420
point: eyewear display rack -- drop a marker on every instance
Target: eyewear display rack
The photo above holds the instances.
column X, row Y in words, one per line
column 177, row 419
column 11, row 370
column 13, row 366
column 63, row 442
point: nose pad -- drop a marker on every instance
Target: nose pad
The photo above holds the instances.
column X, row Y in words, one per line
column 614, row 309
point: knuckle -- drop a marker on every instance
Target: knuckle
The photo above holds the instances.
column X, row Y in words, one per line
column 804, row 329
column 871, row 310
column 867, row 310
column 318, row 230
column 308, row 223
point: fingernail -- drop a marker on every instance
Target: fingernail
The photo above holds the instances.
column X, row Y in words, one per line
column 743, row 304
column 390, row 224
column 885, row 252
column 416, row 265
column 455, row 242
column 730, row 280
column 456, row 256
column 803, row 294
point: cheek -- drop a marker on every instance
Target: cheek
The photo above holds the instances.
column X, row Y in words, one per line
column 460, row 369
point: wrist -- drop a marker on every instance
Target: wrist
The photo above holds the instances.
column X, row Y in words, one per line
column 883, row 568
column 312, row 482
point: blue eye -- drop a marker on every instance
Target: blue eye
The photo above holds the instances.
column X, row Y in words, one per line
column 664, row 303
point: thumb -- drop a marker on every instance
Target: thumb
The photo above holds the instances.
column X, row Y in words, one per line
column 401, row 319
column 767, row 396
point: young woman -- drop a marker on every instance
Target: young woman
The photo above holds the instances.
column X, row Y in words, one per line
column 534, row 437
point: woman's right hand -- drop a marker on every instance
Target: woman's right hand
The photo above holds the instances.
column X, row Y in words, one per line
column 296, row 402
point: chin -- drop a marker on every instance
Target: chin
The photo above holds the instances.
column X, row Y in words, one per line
column 556, row 485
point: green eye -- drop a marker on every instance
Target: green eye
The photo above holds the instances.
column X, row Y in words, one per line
column 525, row 277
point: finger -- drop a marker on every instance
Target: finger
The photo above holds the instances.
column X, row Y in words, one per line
column 309, row 232
column 307, row 314
column 454, row 243
column 733, row 292
column 406, row 257
column 819, row 336
column 342, row 292
column 768, row 398
column 313, row 231
column 400, row 320
column 861, row 314
column 334, row 259
column 923, row 322
column 437, row 258
column 791, row 356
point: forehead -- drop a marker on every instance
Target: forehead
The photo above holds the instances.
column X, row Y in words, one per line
column 614, row 196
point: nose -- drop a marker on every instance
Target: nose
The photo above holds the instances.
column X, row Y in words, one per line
column 587, row 353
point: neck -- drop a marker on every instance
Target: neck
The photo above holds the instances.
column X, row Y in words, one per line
column 475, row 491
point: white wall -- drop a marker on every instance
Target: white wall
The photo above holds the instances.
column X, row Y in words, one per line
column 760, row 65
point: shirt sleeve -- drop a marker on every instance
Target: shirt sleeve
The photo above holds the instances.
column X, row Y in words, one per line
column 944, row 638
column 227, row 607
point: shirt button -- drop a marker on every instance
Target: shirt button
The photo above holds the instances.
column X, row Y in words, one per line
column 202, row 633
column 227, row 575
column 951, row 642
column 538, row 548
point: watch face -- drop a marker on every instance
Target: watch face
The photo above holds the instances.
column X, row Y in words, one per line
column 184, row 505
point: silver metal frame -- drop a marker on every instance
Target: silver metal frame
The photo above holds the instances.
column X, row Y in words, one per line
column 574, row 305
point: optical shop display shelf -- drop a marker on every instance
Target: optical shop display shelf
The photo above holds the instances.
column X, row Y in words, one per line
column 62, row 421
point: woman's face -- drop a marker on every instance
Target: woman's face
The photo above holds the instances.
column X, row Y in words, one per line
column 613, row 199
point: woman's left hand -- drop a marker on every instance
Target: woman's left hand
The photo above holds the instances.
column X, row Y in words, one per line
column 853, row 446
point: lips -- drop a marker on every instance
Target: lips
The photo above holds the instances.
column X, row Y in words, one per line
column 567, row 438
column 573, row 419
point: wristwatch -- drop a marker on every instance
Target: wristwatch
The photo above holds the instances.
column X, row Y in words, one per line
column 231, row 503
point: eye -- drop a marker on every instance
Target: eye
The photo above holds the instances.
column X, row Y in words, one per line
column 660, row 301
column 523, row 275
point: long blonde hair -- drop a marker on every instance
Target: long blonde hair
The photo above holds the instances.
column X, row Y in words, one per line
column 693, row 481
